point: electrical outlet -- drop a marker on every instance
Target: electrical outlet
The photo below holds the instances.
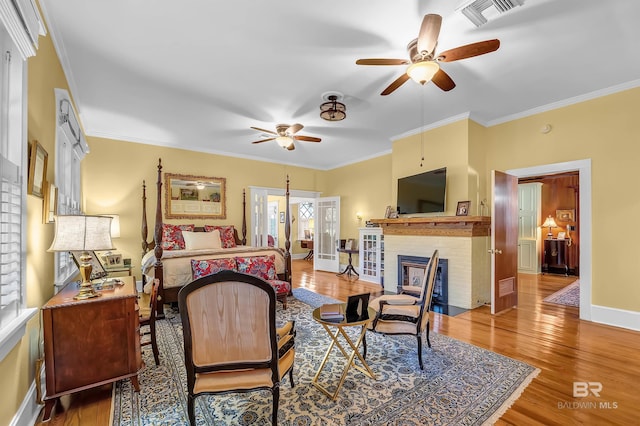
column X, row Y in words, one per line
column 571, row 228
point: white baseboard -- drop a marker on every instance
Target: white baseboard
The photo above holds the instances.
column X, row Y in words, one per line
column 29, row 410
column 616, row 317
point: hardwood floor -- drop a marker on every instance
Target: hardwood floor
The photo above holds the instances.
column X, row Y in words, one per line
column 547, row 336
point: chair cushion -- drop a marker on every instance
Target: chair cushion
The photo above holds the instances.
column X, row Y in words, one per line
column 227, row 234
column 281, row 287
column 203, row 267
column 172, row 236
column 393, row 299
column 259, row 266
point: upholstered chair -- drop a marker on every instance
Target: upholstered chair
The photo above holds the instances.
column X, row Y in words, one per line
column 150, row 320
column 231, row 343
column 406, row 313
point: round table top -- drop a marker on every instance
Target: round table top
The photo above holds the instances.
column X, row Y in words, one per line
column 343, row 250
column 346, row 320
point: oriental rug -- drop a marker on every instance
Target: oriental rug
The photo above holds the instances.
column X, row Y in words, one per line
column 569, row 295
column 461, row 384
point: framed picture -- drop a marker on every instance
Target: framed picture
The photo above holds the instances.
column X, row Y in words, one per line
column 37, row 169
column 97, row 270
column 50, row 207
column 387, row 212
column 565, row 215
column 350, row 244
column 281, row 217
column 205, row 196
column 463, row 208
column 189, row 194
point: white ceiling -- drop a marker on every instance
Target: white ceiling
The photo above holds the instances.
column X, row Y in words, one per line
column 197, row 74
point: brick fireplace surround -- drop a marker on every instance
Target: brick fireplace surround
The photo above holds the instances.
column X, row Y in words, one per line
column 463, row 240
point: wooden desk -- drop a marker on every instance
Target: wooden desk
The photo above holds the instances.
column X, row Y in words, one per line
column 90, row 342
column 308, row 244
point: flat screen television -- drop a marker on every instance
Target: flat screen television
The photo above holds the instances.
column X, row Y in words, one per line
column 423, row 193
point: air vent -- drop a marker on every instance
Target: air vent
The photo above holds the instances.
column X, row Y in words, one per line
column 473, row 9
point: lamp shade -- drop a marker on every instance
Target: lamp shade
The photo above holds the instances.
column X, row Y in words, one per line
column 423, row 72
column 549, row 223
column 115, row 225
column 82, row 233
column 284, row 141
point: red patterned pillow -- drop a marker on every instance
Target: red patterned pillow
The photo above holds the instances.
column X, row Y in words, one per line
column 227, row 234
column 259, row 266
column 203, row 267
column 172, row 236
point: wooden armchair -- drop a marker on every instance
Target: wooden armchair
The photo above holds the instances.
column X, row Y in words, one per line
column 230, row 339
column 150, row 320
column 405, row 313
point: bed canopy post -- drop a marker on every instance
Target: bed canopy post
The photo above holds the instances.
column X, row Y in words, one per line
column 145, row 228
column 157, row 238
column 287, row 236
column 244, row 218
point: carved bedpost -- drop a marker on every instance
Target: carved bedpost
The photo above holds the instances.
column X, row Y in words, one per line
column 145, row 228
column 157, row 238
column 287, row 236
column 244, row 218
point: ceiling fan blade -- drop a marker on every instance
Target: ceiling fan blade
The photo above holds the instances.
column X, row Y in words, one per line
column 264, row 130
column 429, row 31
column 469, row 50
column 443, row 81
column 291, row 147
column 264, row 140
column 307, row 138
column 375, row 61
column 294, row 128
column 397, row 83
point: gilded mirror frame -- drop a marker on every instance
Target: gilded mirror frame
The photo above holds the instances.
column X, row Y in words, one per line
column 195, row 197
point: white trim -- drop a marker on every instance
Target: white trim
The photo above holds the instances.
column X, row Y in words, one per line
column 13, row 332
column 29, row 410
column 615, row 317
column 584, row 169
column 435, row 125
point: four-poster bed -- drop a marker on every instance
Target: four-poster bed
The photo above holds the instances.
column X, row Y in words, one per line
column 174, row 267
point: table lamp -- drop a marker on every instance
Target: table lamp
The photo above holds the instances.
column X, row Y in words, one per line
column 83, row 233
column 550, row 223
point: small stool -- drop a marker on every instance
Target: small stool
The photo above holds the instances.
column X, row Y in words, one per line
column 282, row 288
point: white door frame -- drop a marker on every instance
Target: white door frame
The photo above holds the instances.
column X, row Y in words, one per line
column 584, row 169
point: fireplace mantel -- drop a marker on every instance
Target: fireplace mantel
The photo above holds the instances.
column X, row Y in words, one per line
column 445, row 226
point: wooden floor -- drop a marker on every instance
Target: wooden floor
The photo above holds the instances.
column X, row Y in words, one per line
column 547, row 336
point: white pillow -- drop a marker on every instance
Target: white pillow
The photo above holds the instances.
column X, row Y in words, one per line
column 201, row 240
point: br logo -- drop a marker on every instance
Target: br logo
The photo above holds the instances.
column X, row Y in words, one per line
column 583, row 389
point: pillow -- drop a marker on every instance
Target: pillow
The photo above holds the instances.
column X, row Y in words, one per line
column 227, row 234
column 172, row 236
column 203, row 267
column 259, row 266
column 201, row 240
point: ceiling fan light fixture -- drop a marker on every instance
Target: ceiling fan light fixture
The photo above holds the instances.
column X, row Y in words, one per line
column 423, row 72
column 333, row 110
column 284, row 141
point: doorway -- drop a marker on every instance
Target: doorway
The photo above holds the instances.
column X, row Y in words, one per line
column 583, row 167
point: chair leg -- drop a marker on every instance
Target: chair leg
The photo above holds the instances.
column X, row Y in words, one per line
column 191, row 410
column 276, row 398
column 428, row 341
column 291, row 377
column 364, row 345
column 154, row 346
column 419, row 336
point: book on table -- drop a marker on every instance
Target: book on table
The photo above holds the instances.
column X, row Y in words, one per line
column 331, row 311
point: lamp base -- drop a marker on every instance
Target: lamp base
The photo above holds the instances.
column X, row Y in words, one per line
column 86, row 292
column 86, row 288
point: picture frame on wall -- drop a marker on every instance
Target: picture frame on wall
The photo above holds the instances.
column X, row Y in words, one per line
column 565, row 215
column 37, row 169
column 50, row 205
column 463, row 208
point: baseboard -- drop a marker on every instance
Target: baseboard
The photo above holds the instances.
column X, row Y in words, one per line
column 616, row 317
column 29, row 410
column 299, row 256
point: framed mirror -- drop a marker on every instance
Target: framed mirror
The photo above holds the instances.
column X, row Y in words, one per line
column 195, row 197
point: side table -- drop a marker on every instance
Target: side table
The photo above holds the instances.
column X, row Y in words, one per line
column 349, row 270
column 339, row 327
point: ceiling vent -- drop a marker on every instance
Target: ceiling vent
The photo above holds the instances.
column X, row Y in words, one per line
column 473, row 9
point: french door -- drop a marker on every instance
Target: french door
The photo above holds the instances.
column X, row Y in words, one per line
column 326, row 234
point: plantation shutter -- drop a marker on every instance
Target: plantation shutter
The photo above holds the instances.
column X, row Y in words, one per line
column 10, row 247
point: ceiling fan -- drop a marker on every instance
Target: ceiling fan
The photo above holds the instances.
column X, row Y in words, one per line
column 424, row 63
column 285, row 135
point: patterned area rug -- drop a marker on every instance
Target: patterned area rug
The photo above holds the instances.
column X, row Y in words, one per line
column 570, row 295
column 461, row 384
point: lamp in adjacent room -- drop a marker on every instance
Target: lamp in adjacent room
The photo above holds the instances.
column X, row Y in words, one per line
column 549, row 223
column 83, row 233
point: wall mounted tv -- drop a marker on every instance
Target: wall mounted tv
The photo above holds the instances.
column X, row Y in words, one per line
column 423, row 193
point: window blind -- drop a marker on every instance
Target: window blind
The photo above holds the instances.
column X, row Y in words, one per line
column 10, row 251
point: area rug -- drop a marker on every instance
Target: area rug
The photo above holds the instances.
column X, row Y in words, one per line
column 569, row 296
column 461, row 384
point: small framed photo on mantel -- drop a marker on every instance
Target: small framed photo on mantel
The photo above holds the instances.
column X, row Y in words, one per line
column 463, row 208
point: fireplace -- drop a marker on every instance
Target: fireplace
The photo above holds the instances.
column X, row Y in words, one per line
column 411, row 271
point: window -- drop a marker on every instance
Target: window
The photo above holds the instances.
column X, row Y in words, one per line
column 305, row 222
column 17, row 32
column 71, row 148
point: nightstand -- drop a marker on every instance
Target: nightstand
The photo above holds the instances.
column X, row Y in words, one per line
column 555, row 256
